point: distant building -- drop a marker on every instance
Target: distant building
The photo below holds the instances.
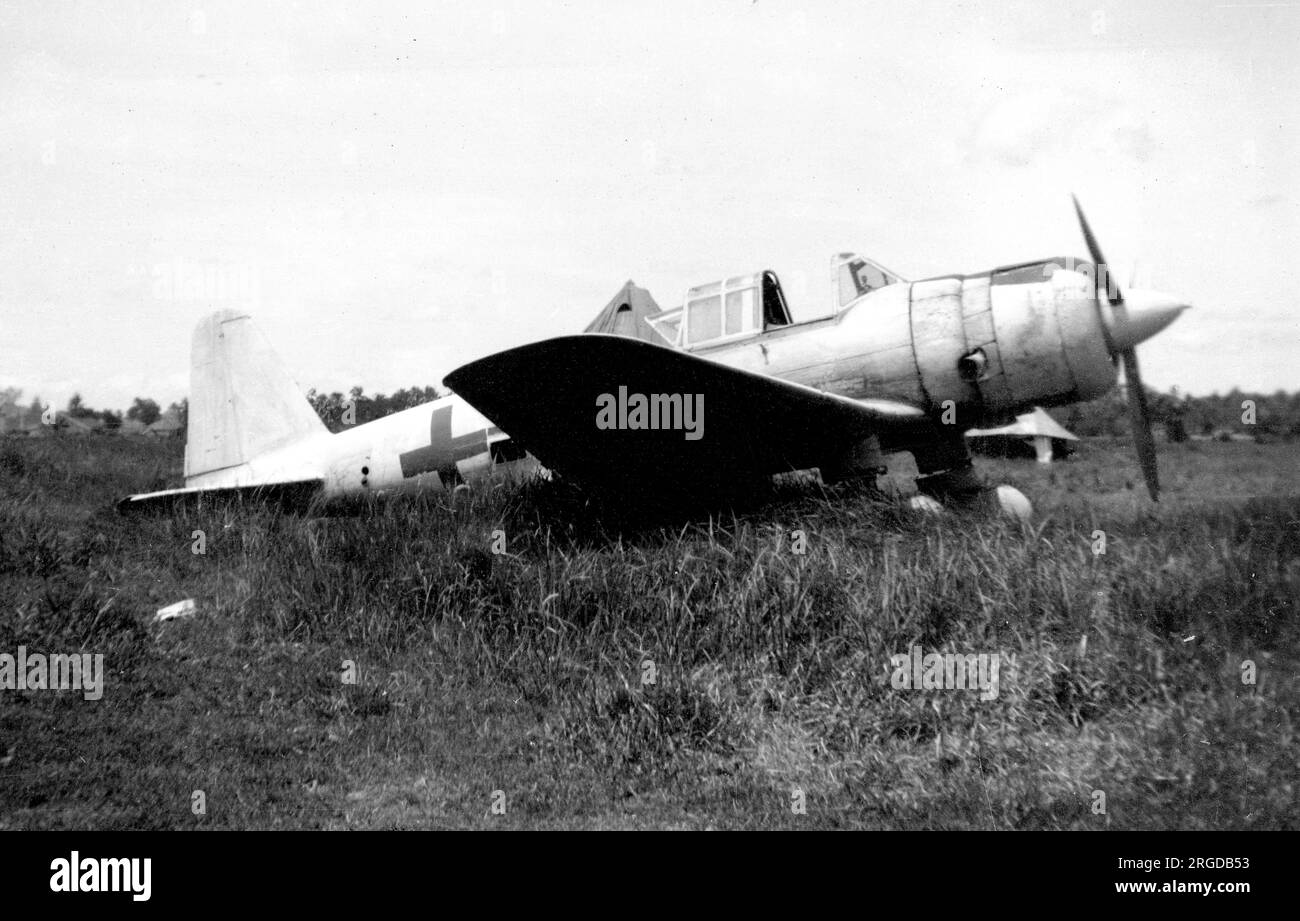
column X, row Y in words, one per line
column 79, row 425
column 132, row 427
column 168, row 425
column 21, row 420
column 11, row 419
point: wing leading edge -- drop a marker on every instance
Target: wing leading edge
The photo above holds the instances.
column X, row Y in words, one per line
column 559, row 397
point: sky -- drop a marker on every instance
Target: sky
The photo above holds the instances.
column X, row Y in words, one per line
column 395, row 189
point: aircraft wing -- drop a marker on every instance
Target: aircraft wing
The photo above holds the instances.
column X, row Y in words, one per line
column 555, row 398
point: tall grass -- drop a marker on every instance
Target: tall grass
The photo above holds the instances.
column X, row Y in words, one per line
column 611, row 668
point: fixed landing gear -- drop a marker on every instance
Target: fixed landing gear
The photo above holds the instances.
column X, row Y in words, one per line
column 861, row 464
column 990, row 500
column 948, row 479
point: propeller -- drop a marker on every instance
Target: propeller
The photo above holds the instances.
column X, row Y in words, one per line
column 1138, row 412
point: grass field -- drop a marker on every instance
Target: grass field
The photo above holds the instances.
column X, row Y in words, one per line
column 525, row 672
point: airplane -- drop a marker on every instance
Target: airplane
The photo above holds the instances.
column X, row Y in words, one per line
column 724, row 388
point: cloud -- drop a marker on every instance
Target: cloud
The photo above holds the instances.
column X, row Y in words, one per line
column 1020, row 129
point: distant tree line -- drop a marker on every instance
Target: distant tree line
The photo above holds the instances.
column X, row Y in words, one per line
column 1268, row 416
column 339, row 412
column 142, row 409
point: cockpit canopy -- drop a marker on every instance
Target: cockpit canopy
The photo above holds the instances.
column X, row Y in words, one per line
column 746, row 305
column 725, row 310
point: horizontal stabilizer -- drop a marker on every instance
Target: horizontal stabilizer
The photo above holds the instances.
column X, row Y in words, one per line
column 292, row 496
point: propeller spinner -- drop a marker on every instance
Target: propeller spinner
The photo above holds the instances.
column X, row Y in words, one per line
column 1129, row 322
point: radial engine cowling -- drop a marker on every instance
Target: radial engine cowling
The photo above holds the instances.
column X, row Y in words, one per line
column 999, row 343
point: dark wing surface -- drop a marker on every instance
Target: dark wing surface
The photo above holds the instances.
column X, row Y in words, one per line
column 555, row 397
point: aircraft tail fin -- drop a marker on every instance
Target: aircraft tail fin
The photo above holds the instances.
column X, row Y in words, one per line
column 242, row 400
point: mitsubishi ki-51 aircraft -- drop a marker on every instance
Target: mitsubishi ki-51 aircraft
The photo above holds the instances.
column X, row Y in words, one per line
column 725, row 387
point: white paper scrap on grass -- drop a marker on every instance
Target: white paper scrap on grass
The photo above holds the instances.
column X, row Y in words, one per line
column 179, row 609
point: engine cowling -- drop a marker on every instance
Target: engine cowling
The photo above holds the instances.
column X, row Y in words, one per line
column 999, row 343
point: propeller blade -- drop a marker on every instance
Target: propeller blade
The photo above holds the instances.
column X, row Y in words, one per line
column 1139, row 415
column 1113, row 294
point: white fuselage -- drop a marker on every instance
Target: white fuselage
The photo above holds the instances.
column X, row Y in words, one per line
column 429, row 446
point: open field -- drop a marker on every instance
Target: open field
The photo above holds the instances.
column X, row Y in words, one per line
column 522, row 672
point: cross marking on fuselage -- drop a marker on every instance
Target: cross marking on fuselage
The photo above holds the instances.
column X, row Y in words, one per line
column 442, row 451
